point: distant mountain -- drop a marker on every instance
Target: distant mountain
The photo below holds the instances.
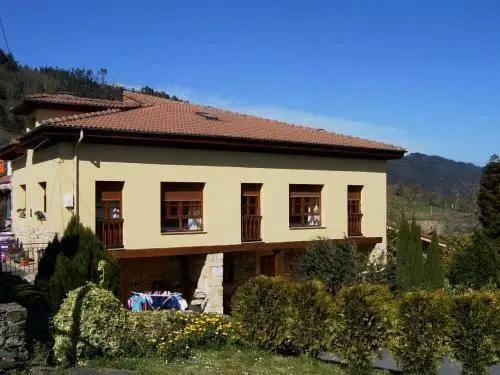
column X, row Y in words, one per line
column 434, row 173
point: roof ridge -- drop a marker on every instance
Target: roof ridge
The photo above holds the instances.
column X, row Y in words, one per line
column 79, row 116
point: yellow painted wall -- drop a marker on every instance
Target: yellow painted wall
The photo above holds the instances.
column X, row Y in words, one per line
column 41, row 166
column 142, row 169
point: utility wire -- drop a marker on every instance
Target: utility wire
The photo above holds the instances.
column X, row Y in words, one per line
column 5, row 36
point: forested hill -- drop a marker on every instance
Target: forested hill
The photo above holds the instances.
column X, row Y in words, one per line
column 434, row 173
column 17, row 80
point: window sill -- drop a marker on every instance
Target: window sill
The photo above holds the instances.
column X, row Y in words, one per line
column 183, row 232
column 355, row 235
column 308, row 227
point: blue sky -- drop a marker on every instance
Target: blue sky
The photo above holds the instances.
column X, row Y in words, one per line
column 424, row 74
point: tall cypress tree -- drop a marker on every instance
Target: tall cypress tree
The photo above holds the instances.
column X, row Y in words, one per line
column 434, row 278
column 415, row 258
column 489, row 199
column 402, row 270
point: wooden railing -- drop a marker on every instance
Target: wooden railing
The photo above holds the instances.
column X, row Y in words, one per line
column 250, row 228
column 354, row 224
column 110, row 232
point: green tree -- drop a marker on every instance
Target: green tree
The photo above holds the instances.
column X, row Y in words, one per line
column 402, row 242
column 434, row 278
column 334, row 265
column 489, row 199
column 415, row 257
column 73, row 261
column 476, row 265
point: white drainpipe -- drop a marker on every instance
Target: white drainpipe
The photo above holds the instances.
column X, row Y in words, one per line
column 76, row 188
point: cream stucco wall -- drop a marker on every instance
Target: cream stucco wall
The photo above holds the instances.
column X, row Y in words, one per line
column 142, row 169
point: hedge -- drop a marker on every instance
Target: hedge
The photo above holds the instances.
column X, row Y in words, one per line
column 362, row 326
column 421, row 324
column 475, row 330
column 284, row 316
column 92, row 322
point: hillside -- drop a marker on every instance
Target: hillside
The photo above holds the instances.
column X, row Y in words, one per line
column 18, row 80
column 435, row 174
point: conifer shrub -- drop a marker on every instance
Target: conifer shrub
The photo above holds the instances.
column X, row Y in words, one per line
column 91, row 322
column 421, row 323
column 475, row 330
column 281, row 315
column 71, row 262
column 362, row 325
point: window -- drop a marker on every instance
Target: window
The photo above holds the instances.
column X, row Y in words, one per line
column 43, row 186
column 181, row 206
column 305, row 205
column 109, row 200
column 354, row 214
column 208, row 116
column 22, row 201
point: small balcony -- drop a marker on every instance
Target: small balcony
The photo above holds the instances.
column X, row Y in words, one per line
column 250, row 228
column 110, row 232
column 354, row 224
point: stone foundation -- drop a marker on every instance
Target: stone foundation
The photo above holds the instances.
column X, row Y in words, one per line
column 30, row 234
column 209, row 271
column 13, row 350
column 291, row 260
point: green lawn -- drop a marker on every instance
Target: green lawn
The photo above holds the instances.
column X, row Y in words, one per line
column 230, row 361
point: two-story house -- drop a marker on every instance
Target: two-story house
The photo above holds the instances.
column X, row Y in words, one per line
column 189, row 197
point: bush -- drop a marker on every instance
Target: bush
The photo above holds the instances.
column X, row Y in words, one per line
column 475, row 330
column 362, row 325
column 283, row 316
column 262, row 311
column 421, row 328
column 90, row 322
column 73, row 261
column 313, row 317
column 333, row 265
column 477, row 265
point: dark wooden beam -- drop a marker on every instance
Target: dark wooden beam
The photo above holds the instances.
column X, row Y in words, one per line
column 243, row 247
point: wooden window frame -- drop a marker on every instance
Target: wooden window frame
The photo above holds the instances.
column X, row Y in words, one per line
column 24, row 192
column 185, row 195
column 43, row 186
column 354, row 207
column 305, row 198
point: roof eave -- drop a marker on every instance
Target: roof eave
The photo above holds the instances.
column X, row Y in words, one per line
column 65, row 133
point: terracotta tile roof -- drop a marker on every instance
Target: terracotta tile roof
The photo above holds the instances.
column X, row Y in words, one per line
column 168, row 117
column 68, row 99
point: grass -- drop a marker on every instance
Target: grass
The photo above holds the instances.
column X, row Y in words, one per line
column 228, row 361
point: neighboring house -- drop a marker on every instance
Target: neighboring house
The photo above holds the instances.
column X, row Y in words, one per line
column 190, row 197
column 5, row 202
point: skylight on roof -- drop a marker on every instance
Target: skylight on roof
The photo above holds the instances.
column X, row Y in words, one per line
column 207, row 115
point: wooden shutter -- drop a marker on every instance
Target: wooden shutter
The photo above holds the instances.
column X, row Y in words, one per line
column 250, row 190
column 306, row 191
column 182, row 192
column 354, row 192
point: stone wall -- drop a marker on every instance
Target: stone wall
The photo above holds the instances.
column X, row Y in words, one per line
column 13, row 349
column 291, row 262
column 29, row 234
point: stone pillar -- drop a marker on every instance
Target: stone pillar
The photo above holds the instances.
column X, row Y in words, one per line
column 210, row 281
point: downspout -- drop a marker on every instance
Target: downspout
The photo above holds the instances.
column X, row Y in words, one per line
column 76, row 188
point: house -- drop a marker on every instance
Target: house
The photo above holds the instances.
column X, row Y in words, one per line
column 190, row 197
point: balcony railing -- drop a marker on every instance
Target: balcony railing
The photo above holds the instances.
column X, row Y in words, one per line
column 110, row 232
column 354, row 224
column 250, row 228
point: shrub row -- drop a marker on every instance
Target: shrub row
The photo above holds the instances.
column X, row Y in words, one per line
column 280, row 315
column 92, row 322
column 419, row 328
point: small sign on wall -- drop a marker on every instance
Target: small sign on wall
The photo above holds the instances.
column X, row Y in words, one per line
column 68, row 200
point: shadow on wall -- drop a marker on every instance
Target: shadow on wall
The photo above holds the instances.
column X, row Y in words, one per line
column 96, row 154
